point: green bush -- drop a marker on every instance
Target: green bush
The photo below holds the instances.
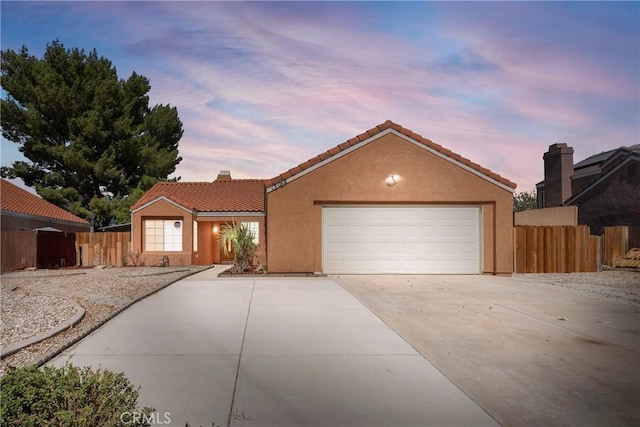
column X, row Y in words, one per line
column 240, row 240
column 70, row 397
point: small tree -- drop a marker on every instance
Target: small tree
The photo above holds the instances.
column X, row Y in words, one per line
column 525, row 201
column 240, row 240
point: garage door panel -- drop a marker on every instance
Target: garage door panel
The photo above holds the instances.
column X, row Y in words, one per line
column 395, row 239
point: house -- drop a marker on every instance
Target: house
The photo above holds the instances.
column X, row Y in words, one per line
column 21, row 210
column 182, row 220
column 604, row 186
column 35, row 233
column 385, row 201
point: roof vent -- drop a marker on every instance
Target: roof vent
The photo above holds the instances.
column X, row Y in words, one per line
column 224, row 175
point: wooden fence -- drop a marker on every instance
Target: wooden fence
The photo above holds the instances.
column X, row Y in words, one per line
column 37, row 248
column 19, row 249
column 556, row 249
column 103, row 248
column 615, row 244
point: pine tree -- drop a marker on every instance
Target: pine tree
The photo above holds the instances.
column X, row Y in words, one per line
column 92, row 142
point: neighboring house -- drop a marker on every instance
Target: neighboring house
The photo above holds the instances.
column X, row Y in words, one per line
column 35, row 233
column 605, row 187
column 385, row 201
column 21, row 210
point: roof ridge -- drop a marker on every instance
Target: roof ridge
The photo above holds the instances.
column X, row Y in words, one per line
column 388, row 124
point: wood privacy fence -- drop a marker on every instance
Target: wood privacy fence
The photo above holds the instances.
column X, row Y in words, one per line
column 37, row 248
column 556, row 249
column 19, row 249
column 103, row 248
column 615, row 244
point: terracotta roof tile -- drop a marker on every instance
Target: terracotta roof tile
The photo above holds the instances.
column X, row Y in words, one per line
column 18, row 200
column 344, row 145
column 376, row 130
column 228, row 195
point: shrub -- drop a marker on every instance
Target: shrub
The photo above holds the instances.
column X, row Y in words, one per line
column 68, row 396
column 241, row 241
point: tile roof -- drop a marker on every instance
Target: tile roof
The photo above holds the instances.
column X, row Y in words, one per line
column 376, row 130
column 221, row 195
column 18, row 200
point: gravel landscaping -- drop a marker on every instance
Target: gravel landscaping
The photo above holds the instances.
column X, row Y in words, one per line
column 34, row 302
column 619, row 285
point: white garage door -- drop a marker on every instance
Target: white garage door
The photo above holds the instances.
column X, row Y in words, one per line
column 401, row 239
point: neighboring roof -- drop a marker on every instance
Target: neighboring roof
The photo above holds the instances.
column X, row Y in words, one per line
column 117, row 227
column 221, row 195
column 388, row 125
column 600, row 158
column 607, row 168
column 17, row 200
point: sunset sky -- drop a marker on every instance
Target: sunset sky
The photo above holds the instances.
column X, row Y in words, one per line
column 263, row 86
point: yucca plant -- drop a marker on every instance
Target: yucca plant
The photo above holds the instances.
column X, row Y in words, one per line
column 240, row 240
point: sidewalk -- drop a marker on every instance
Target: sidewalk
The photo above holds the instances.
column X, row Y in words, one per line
column 271, row 352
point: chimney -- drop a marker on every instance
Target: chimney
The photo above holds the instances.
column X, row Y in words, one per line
column 558, row 168
column 222, row 175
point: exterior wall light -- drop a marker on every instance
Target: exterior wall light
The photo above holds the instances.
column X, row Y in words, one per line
column 215, row 229
column 391, row 180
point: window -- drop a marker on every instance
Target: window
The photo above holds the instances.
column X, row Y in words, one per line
column 195, row 236
column 254, row 227
column 163, row 235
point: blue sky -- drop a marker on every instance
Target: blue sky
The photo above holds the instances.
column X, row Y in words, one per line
column 263, row 86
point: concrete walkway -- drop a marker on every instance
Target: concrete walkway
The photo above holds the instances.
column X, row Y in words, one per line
column 271, row 352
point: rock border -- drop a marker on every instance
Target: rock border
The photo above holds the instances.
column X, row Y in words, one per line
column 67, row 324
column 46, row 357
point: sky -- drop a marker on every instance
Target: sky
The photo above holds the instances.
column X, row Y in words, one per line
column 263, row 86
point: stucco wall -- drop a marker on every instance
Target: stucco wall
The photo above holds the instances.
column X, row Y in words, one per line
column 162, row 209
column 294, row 212
column 208, row 249
column 208, row 240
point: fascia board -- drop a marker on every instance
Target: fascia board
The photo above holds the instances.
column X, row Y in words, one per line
column 327, row 160
column 44, row 218
column 157, row 199
column 380, row 135
column 228, row 214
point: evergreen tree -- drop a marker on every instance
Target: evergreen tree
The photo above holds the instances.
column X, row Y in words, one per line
column 525, row 201
column 93, row 143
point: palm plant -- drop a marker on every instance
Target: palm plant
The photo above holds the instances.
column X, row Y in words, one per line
column 240, row 240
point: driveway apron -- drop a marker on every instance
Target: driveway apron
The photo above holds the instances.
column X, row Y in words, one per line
column 271, row 352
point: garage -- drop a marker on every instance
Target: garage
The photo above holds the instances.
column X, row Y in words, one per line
column 392, row 239
column 389, row 201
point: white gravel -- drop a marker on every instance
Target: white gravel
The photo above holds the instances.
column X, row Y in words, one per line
column 44, row 313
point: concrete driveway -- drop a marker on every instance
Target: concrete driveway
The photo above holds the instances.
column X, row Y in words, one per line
column 271, row 352
column 503, row 343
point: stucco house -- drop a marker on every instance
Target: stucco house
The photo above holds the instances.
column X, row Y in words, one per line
column 605, row 187
column 387, row 201
column 21, row 210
